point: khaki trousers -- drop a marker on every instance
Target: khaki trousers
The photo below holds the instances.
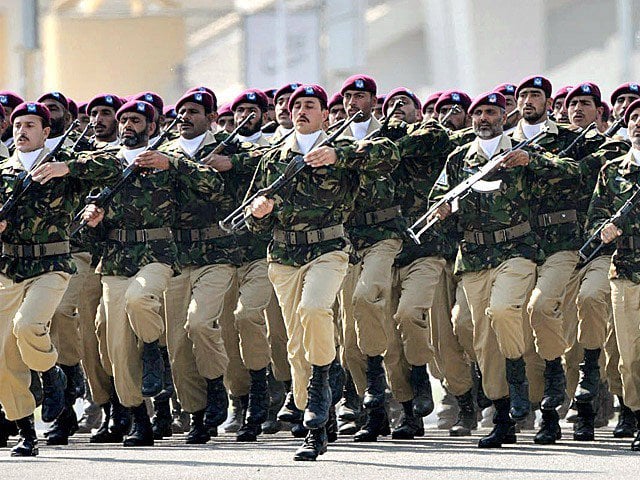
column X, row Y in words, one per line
column 625, row 298
column 26, row 309
column 277, row 335
column 462, row 323
column 132, row 307
column 497, row 298
column 194, row 303
column 306, row 295
column 612, row 360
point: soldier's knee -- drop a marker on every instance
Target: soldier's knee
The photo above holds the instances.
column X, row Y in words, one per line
column 137, row 301
column 363, row 297
column 407, row 315
column 541, row 307
column 25, row 328
column 310, row 310
column 588, row 299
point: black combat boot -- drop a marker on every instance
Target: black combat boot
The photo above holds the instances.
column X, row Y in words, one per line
column 28, row 443
column 332, row 425
column 248, row 431
column 298, row 430
column 120, row 417
column 235, row 416
column 635, row 445
column 555, row 384
column 215, row 412
column 410, row 427
column 198, row 434
column 589, row 383
column 518, row 388
column 7, row 429
column 66, row 424
column 141, row 434
column 54, row 382
column 258, row 397
column 35, row 387
column 504, row 426
column 315, row 443
column 583, row 429
column 76, row 375
column 319, row 397
column 162, row 419
column 277, row 395
column 377, row 424
column 152, row 369
column 422, row 396
column 289, row 411
column 181, row 418
column 467, row 419
column 481, row 399
column 168, row 388
column 351, row 405
column 103, row 435
column 337, row 377
column 549, row 428
column 626, row 427
column 374, row 393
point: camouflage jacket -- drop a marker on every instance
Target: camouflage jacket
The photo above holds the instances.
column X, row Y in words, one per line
column 461, row 137
column 199, row 211
column 504, row 200
column 45, row 211
column 318, row 197
column 4, row 151
column 149, row 201
column 617, row 181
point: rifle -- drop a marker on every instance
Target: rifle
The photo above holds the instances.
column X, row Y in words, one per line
column 107, row 194
column 454, row 109
column 584, row 132
column 385, row 123
column 82, row 135
column 464, row 188
column 595, row 241
column 25, row 179
column 236, row 220
column 615, row 126
column 223, row 145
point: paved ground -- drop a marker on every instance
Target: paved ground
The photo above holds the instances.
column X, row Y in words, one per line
column 435, row 456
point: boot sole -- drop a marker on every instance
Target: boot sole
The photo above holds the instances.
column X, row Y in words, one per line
column 34, row 453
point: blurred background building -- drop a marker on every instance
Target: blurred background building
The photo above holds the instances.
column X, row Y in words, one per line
column 83, row 47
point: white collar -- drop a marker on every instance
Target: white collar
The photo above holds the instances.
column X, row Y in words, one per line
column 252, row 138
column 360, row 129
column 28, row 159
column 624, row 133
column 490, row 146
column 635, row 156
column 307, row 140
column 8, row 142
column 52, row 143
column 532, row 130
column 130, row 155
column 191, row 145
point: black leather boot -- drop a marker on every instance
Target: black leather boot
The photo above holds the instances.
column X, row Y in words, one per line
column 635, row 445
column 66, row 424
column 315, row 443
column 168, row 388
column 289, row 411
column 549, row 428
column 481, row 399
column 589, row 382
column 377, row 424
column 277, row 395
column 332, row 425
column 518, row 388
column 28, row 443
column 583, row 429
column 54, row 383
column 422, row 396
column 258, row 396
column 349, row 410
column 162, row 419
column 152, row 369
column 77, row 378
column 337, row 378
column 319, row 397
column 248, row 431
column 198, row 434
column 503, row 429
column 410, row 426
column 467, row 419
column 35, row 387
column 141, row 434
column 298, row 430
column 103, row 434
column 626, row 427
column 215, row 412
column 374, row 393
column 7, row 429
column 555, row 384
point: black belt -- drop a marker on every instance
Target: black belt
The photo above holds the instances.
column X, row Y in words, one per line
column 307, row 237
column 498, row 236
column 556, row 218
column 631, row 242
column 199, row 234
column 140, row 236
column 37, row 250
column 373, row 218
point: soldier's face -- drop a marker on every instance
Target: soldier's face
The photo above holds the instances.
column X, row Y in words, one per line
column 195, row 121
column 456, row 121
column 242, row 111
column 407, row 112
column 29, row 133
column 283, row 116
column 512, row 106
column 622, row 102
column 429, row 111
column 533, row 104
column 337, row 113
column 84, row 120
column 488, row 121
column 271, row 112
column 308, row 115
column 58, row 116
column 377, row 111
column 354, row 100
column 4, row 124
column 104, row 123
column 583, row 111
column 226, row 123
column 560, row 113
column 134, row 130
column 634, row 128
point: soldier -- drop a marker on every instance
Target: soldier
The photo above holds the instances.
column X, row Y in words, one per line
column 411, row 106
column 9, row 101
column 4, row 124
column 336, row 109
column 158, row 106
column 58, row 105
column 309, row 254
column 616, row 183
column 359, row 94
column 560, row 114
column 251, row 101
column 428, row 107
column 83, row 117
column 378, row 110
column 621, row 98
column 508, row 91
column 282, row 114
column 446, row 101
column 35, row 274
column 102, row 112
column 225, row 121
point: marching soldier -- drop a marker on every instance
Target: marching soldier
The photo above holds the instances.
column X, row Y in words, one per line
column 225, row 121
column 58, row 105
column 508, row 91
column 282, row 114
column 560, row 114
column 621, row 98
column 9, row 101
column 359, row 94
column 336, row 108
column 428, row 107
column 447, row 100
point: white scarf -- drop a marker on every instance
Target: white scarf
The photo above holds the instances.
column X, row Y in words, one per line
column 191, row 145
column 306, row 140
column 52, row 143
column 130, row 155
column 489, row 146
column 624, row 133
column 532, row 130
column 359, row 129
column 252, row 138
column 635, row 156
column 28, row 159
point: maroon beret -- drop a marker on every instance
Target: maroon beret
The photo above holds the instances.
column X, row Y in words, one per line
column 380, row 99
column 584, row 89
column 536, row 81
column 169, row 111
column 363, row 83
column 606, row 112
column 288, row 88
column 32, row 108
column 254, row 96
column 633, row 106
column 453, row 97
column 152, row 98
column 270, row 93
column 563, row 92
column 209, row 91
column 57, row 96
column 489, row 98
column 401, row 91
column 10, row 99
column 431, row 99
column 506, row 89
column 225, row 110
column 625, row 88
column 137, row 106
column 73, row 108
column 82, row 108
column 3, row 114
column 336, row 99
column 105, row 100
column 313, row 91
column 201, row 98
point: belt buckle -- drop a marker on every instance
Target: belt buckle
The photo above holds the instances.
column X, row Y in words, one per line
column 121, row 235
column 28, row 251
column 478, row 236
column 500, row 233
column 373, row 218
column 291, row 238
column 321, row 234
column 145, row 235
column 546, row 219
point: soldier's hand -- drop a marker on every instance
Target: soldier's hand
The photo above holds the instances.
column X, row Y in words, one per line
column 220, row 163
column 443, row 212
column 321, row 157
column 517, row 158
column 153, row 160
column 3, row 226
column 93, row 215
column 261, row 206
column 609, row 233
column 49, row 170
